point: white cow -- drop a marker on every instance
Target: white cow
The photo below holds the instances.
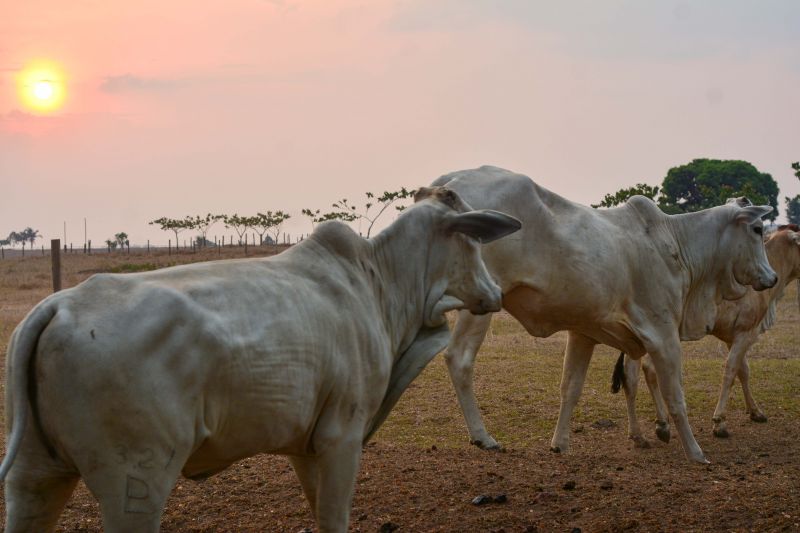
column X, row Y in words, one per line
column 629, row 277
column 738, row 324
column 129, row 380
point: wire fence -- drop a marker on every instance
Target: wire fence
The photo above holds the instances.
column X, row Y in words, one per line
column 224, row 245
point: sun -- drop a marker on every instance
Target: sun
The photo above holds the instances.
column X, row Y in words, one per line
column 41, row 86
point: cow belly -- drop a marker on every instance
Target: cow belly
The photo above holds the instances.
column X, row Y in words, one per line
column 541, row 318
column 524, row 304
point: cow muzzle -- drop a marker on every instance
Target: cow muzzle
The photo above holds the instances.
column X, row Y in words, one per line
column 766, row 282
column 491, row 303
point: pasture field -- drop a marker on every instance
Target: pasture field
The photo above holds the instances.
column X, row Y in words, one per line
column 420, row 473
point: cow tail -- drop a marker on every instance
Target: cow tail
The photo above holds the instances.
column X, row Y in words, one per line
column 618, row 377
column 19, row 366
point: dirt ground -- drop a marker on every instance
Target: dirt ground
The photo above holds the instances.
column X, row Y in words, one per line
column 420, row 473
column 616, row 488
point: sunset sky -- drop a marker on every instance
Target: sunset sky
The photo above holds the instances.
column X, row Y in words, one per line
column 187, row 107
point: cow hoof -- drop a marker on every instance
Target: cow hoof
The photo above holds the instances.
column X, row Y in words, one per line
column 758, row 417
column 492, row 445
column 662, row 432
column 721, row 433
column 640, row 442
column 555, row 449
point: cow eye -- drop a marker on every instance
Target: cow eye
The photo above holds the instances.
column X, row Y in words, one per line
column 759, row 230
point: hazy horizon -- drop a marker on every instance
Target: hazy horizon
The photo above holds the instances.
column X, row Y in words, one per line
column 184, row 108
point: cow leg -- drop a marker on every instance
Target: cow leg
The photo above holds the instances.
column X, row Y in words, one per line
column 467, row 337
column 132, row 483
column 308, row 473
column 756, row 414
column 35, row 495
column 738, row 350
column 34, row 503
column 576, row 362
column 337, row 468
column 667, row 363
column 37, row 487
column 630, row 387
column 662, row 416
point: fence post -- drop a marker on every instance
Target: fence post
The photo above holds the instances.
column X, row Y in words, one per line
column 148, row 246
column 90, row 246
column 55, row 259
column 43, row 249
column 245, row 244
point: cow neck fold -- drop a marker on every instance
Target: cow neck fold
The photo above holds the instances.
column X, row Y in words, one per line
column 710, row 276
column 697, row 254
column 780, row 251
column 400, row 257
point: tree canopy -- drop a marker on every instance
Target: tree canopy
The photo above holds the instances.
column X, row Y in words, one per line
column 622, row 195
column 793, row 204
column 347, row 212
column 793, row 209
column 705, row 183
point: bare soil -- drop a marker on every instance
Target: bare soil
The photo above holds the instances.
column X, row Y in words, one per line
column 420, row 473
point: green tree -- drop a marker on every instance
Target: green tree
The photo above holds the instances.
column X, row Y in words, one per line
column 317, row 217
column 239, row 224
column 793, row 204
column 16, row 238
column 347, row 212
column 174, row 225
column 268, row 222
column 30, row 235
column 793, row 209
column 704, row 183
column 121, row 239
column 622, row 195
column 112, row 244
column 202, row 224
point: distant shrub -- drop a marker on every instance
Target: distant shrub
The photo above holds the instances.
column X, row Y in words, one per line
column 132, row 267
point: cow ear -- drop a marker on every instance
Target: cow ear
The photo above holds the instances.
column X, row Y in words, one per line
column 742, row 201
column 422, row 193
column 485, row 225
column 753, row 213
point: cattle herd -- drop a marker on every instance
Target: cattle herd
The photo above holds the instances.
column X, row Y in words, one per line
column 128, row 381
